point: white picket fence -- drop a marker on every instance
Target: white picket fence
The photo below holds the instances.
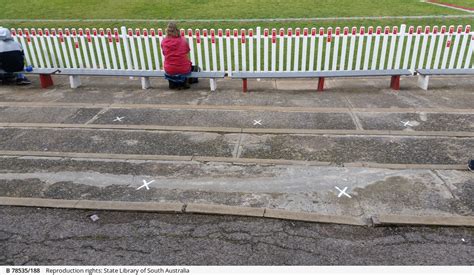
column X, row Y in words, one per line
column 260, row 51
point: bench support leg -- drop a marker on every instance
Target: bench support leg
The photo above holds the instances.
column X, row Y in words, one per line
column 321, row 84
column 75, row 81
column 244, row 85
column 423, row 81
column 46, row 80
column 146, row 83
column 395, row 82
column 213, row 84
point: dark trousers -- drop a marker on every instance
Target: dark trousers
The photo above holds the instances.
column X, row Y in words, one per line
column 188, row 80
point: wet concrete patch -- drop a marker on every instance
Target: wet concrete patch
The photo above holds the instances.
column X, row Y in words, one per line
column 121, row 142
column 343, row 149
column 47, row 115
column 292, row 188
column 461, row 184
column 167, row 169
column 221, row 118
column 423, row 194
column 417, row 121
column 319, row 202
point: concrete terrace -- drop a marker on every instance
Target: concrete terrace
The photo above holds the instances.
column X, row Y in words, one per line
column 282, row 146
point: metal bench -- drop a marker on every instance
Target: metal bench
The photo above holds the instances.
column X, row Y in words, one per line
column 424, row 74
column 75, row 81
column 394, row 83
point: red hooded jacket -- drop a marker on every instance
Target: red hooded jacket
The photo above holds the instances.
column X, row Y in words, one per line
column 175, row 50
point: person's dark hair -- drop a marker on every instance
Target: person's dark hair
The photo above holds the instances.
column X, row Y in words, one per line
column 172, row 30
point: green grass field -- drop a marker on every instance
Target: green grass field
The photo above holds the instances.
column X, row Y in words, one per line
column 179, row 10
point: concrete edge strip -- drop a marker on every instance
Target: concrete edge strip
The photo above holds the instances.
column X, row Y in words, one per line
column 313, row 217
column 230, row 160
column 212, row 209
column 95, row 155
column 96, row 205
column 407, row 166
column 235, row 107
column 261, row 161
column 238, row 130
column 381, row 220
column 195, row 208
column 192, row 208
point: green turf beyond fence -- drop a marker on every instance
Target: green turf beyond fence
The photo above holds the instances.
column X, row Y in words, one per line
column 156, row 13
column 213, row 9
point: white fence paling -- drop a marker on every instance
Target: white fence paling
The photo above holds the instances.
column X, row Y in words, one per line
column 296, row 56
column 220, row 34
column 265, row 49
column 248, row 50
column 228, row 50
column 243, row 52
column 236, row 50
column 463, row 46
column 112, row 49
column 336, row 49
column 251, row 50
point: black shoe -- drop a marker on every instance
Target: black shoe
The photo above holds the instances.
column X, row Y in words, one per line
column 470, row 165
column 185, row 86
column 193, row 80
column 173, row 86
column 23, row 81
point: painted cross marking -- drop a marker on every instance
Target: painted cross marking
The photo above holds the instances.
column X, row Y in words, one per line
column 119, row 118
column 406, row 123
column 257, row 122
column 343, row 192
column 145, row 184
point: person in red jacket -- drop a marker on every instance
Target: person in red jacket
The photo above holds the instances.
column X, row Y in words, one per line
column 177, row 65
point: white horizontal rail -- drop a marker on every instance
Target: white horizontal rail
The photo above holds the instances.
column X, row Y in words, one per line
column 246, row 50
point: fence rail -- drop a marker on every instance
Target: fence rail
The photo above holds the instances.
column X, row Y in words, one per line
column 272, row 50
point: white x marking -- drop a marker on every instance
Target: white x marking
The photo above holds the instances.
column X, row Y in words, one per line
column 407, row 123
column 343, row 192
column 145, row 184
column 257, row 122
column 119, row 118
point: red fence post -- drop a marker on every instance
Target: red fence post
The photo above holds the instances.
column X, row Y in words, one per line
column 244, row 85
column 46, row 80
column 321, row 84
column 395, row 82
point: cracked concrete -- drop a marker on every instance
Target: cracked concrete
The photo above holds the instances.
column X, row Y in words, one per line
column 293, row 188
column 66, row 237
column 288, row 187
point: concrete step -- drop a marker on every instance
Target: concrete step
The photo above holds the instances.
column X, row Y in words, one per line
column 453, row 92
column 368, row 192
column 394, row 152
column 275, row 118
column 336, row 149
